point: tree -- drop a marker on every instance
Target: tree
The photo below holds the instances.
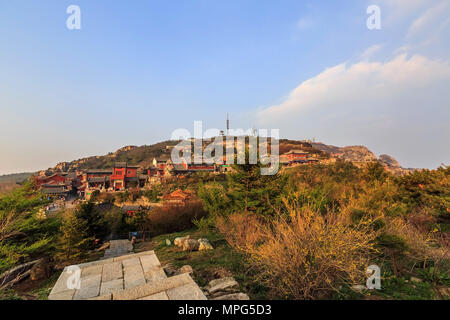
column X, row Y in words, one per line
column 374, row 171
column 214, row 198
column 74, row 239
column 95, row 223
column 140, row 221
column 22, row 235
column 248, row 190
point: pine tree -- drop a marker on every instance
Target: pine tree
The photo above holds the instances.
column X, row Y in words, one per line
column 95, row 223
column 249, row 191
column 74, row 240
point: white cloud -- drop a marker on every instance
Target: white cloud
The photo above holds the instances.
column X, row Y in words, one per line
column 397, row 10
column 357, row 82
column 406, row 97
column 430, row 19
column 371, row 51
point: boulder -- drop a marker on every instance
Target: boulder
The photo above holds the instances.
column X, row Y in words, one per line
column 168, row 242
column 179, row 241
column 204, row 244
column 186, row 269
column 224, row 284
column 190, row 245
column 233, row 296
column 40, row 270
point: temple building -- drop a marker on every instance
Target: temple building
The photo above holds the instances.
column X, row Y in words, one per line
column 294, row 156
column 125, row 176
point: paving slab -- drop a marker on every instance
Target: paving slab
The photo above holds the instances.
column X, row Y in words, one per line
column 187, row 292
column 112, row 271
column 92, row 270
column 111, row 286
column 131, row 262
column 133, row 276
column 154, row 275
column 89, row 288
column 61, row 284
column 152, row 288
column 150, row 262
column 156, row 296
column 63, row 295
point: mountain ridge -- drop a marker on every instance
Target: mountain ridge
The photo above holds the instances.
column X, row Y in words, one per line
column 142, row 156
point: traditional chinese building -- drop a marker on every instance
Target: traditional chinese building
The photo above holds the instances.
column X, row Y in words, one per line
column 98, row 178
column 294, row 156
column 56, row 178
column 178, row 197
column 125, row 176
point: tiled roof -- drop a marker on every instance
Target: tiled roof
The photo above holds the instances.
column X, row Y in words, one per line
column 58, row 190
column 99, row 171
column 297, row 152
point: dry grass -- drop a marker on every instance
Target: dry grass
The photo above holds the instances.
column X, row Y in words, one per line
column 307, row 256
column 170, row 219
column 7, row 187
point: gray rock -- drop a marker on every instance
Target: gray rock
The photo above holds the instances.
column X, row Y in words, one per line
column 190, row 245
column 204, row 244
column 224, row 292
column 233, row 296
column 179, row 241
column 186, row 269
column 223, row 284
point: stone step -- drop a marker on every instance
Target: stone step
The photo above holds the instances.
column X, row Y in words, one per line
column 127, row 277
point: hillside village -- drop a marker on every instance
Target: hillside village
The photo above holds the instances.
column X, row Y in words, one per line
column 77, row 180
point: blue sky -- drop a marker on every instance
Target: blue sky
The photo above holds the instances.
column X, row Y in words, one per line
column 138, row 70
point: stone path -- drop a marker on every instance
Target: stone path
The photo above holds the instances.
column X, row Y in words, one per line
column 118, row 248
column 137, row 276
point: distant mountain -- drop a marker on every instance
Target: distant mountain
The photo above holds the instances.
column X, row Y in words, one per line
column 15, row 177
column 360, row 154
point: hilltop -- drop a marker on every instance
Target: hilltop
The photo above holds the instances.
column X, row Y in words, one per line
column 143, row 156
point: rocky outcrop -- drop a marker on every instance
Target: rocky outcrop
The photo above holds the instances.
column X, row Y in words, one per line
column 190, row 245
column 204, row 244
column 179, row 241
column 389, row 161
column 350, row 153
column 233, row 296
column 224, row 289
column 124, row 149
